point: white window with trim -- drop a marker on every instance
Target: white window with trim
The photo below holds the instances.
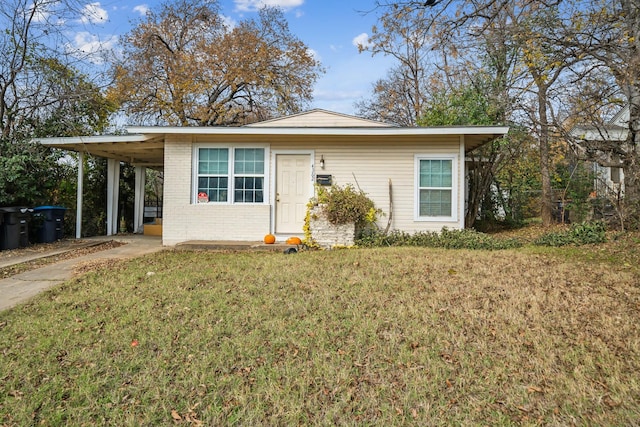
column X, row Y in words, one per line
column 228, row 174
column 436, row 188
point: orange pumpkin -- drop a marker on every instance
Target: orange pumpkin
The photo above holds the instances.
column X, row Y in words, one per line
column 294, row 241
column 269, row 239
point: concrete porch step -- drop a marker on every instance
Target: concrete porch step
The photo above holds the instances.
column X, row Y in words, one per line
column 230, row 245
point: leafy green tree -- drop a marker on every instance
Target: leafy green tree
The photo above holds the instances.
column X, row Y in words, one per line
column 518, row 181
column 468, row 105
column 573, row 183
column 70, row 106
column 472, row 105
column 25, row 173
column 76, row 106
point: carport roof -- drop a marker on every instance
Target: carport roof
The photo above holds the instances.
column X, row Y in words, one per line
column 136, row 149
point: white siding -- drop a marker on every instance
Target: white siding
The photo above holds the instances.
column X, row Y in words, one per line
column 371, row 166
column 320, row 119
column 368, row 166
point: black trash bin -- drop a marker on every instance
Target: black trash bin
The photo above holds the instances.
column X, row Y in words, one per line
column 50, row 223
column 14, row 230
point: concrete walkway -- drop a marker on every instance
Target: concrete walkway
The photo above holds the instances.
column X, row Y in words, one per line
column 21, row 287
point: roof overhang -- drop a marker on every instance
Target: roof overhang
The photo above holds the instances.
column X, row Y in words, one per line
column 474, row 136
column 136, row 149
column 144, row 146
column 604, row 133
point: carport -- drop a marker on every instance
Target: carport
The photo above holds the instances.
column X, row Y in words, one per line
column 140, row 151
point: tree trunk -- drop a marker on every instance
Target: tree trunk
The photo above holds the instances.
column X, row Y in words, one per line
column 631, row 164
column 546, row 209
column 480, row 179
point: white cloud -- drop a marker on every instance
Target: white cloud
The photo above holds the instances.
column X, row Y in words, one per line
column 41, row 13
column 142, row 9
column 253, row 5
column 348, row 81
column 228, row 22
column 91, row 47
column 45, row 12
column 361, row 40
column 314, row 54
column 93, row 13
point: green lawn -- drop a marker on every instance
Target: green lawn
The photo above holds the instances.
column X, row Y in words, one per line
column 395, row 336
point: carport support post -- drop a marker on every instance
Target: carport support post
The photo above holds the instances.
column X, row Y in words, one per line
column 138, row 208
column 113, row 187
column 79, row 198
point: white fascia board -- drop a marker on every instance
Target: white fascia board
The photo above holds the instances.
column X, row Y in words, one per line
column 99, row 139
column 592, row 134
column 461, row 130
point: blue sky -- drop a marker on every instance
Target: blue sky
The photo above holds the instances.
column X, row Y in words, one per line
column 331, row 28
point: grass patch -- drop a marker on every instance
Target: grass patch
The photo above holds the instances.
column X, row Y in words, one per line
column 578, row 234
column 391, row 336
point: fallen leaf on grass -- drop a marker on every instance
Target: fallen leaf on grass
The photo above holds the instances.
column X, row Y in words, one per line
column 610, row 402
column 193, row 421
column 97, row 264
column 534, row 389
column 175, row 415
column 448, row 358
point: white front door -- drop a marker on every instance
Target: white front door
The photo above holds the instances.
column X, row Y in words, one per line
column 293, row 191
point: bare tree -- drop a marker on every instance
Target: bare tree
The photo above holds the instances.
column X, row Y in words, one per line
column 606, row 35
column 42, row 93
column 400, row 97
column 31, row 34
column 526, row 27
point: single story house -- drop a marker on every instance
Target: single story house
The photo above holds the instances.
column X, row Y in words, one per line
column 240, row 183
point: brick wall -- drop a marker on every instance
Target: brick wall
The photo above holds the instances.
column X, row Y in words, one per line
column 184, row 220
column 328, row 235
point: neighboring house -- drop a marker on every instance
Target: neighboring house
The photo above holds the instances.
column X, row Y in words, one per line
column 609, row 180
column 240, row 183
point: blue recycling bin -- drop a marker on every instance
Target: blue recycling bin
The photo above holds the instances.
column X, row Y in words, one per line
column 14, row 227
column 49, row 222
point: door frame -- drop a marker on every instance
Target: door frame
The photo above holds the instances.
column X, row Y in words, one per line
column 274, row 177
